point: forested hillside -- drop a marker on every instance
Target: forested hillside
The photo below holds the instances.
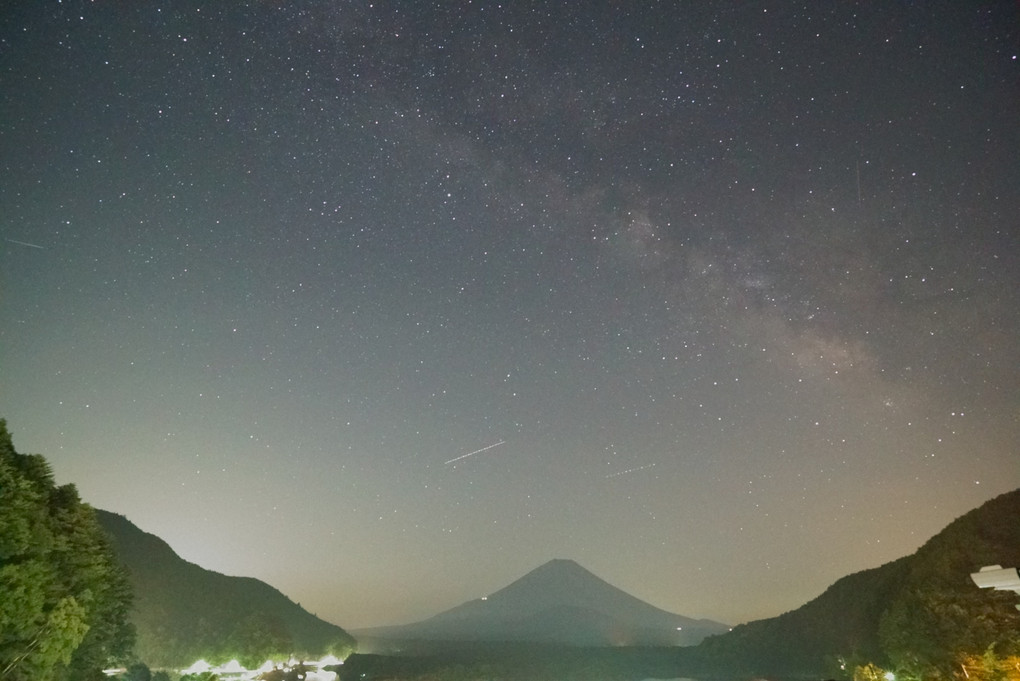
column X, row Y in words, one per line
column 921, row 615
column 63, row 595
column 184, row 612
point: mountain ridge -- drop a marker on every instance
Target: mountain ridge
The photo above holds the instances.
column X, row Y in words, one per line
column 183, row 612
column 916, row 612
column 558, row 602
column 921, row 616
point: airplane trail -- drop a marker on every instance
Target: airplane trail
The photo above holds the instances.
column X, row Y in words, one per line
column 24, row 243
column 630, row 470
column 477, row 451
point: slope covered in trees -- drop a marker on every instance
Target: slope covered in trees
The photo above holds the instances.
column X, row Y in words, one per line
column 63, row 595
column 184, row 612
column 940, row 620
column 921, row 616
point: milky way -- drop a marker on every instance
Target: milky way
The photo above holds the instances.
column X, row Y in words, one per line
column 387, row 305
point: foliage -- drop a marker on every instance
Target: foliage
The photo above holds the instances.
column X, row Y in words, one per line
column 869, row 672
column 989, row 667
column 63, row 595
column 137, row 672
column 200, row 676
column 183, row 612
column 342, row 647
column 941, row 616
column 259, row 637
column 836, row 630
column 915, row 616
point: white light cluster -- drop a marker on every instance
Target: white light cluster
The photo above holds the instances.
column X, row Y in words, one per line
column 233, row 671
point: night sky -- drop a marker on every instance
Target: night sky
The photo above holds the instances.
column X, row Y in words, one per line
column 387, row 304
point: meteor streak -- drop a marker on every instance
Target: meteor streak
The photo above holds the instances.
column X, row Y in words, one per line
column 630, row 470
column 477, row 451
column 24, row 243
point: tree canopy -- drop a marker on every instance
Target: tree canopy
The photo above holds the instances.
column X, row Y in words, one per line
column 64, row 597
column 184, row 612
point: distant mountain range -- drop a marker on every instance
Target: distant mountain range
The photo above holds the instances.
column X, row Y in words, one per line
column 919, row 614
column 183, row 612
column 558, row 602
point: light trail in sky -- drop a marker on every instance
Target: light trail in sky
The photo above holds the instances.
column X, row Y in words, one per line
column 630, row 470
column 477, row 451
column 24, row 243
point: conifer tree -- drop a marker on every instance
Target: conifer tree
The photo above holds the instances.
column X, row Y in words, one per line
column 63, row 596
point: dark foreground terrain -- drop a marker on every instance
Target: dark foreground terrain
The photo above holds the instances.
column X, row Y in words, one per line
column 515, row 662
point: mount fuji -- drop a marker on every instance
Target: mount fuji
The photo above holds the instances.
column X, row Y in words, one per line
column 558, row 602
